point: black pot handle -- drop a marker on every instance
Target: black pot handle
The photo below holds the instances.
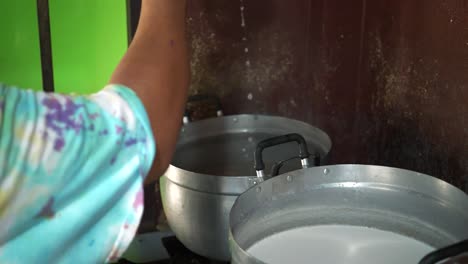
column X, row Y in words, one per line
column 275, row 169
column 303, row 151
column 445, row 253
column 199, row 98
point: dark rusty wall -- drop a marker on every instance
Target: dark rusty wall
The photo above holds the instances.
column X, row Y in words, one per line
column 413, row 106
column 301, row 62
column 385, row 79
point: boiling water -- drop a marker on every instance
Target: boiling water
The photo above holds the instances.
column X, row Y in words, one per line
column 338, row 244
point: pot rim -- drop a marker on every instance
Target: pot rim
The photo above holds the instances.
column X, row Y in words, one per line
column 237, row 184
column 425, row 185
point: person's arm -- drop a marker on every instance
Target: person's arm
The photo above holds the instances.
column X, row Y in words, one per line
column 156, row 68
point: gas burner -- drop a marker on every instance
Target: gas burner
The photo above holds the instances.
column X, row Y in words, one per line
column 177, row 253
column 180, row 254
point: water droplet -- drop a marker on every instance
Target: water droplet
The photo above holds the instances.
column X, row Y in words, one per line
column 326, row 171
column 242, row 16
column 235, row 120
column 250, row 96
column 255, row 182
column 244, row 150
column 293, row 102
column 244, row 39
column 250, row 139
column 289, row 178
column 247, row 63
column 246, row 50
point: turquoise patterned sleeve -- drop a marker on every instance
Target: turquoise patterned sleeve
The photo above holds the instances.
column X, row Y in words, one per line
column 71, row 174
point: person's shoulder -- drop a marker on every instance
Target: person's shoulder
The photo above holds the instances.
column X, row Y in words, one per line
column 15, row 94
column 121, row 102
column 11, row 88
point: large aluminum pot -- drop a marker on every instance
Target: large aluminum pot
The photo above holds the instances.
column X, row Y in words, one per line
column 412, row 205
column 212, row 167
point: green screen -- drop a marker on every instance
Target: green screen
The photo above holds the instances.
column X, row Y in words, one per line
column 88, row 39
column 20, row 59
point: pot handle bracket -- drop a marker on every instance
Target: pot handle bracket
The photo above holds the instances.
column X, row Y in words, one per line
column 448, row 255
column 200, row 98
column 267, row 143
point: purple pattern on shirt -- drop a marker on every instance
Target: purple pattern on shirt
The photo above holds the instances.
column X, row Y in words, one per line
column 130, row 142
column 47, row 211
column 103, row 132
column 93, row 116
column 139, row 199
column 60, row 118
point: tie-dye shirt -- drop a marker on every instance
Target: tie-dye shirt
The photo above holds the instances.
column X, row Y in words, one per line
column 71, row 174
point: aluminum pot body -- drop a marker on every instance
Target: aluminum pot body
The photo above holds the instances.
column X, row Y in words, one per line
column 213, row 165
column 405, row 202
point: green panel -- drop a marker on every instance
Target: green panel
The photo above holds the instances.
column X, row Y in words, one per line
column 88, row 39
column 20, row 58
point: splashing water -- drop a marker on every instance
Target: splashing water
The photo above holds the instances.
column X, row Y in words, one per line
column 242, row 14
column 244, row 29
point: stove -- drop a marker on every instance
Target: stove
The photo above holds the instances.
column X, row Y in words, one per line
column 159, row 248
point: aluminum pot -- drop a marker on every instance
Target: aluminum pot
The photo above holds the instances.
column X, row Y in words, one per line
column 212, row 167
column 407, row 203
